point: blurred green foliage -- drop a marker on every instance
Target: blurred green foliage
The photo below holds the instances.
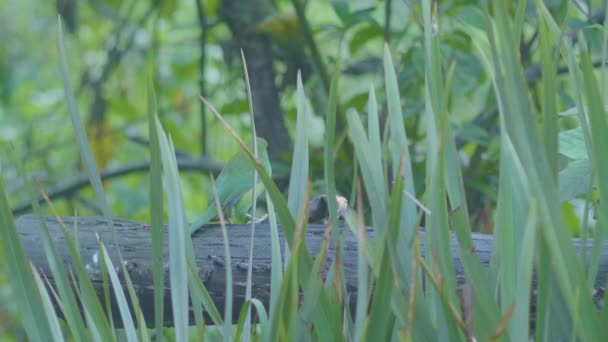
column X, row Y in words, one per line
column 116, row 47
column 160, row 40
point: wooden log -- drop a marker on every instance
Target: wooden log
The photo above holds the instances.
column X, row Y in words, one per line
column 136, row 247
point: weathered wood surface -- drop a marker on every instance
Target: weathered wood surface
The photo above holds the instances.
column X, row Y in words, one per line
column 135, row 244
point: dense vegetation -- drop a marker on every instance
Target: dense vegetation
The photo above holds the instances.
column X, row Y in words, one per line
column 453, row 115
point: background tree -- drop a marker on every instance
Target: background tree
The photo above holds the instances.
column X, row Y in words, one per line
column 192, row 48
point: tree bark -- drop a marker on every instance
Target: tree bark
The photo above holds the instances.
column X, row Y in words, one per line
column 136, row 248
column 242, row 18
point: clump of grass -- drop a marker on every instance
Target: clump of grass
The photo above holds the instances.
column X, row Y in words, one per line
column 401, row 292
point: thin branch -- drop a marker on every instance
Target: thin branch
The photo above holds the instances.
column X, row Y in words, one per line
column 387, row 21
column 202, row 22
column 533, row 73
column 314, row 50
column 139, row 140
column 204, row 166
column 115, row 55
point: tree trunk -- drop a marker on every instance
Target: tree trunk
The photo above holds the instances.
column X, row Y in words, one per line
column 242, row 18
column 136, row 248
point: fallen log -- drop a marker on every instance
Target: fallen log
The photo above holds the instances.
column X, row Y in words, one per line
column 136, row 248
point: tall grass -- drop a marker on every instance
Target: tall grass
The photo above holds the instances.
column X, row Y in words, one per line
column 402, row 293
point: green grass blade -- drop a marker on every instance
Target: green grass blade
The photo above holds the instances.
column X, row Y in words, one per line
column 549, row 101
column 156, row 215
column 454, row 185
column 552, row 25
column 329, row 321
column 518, row 21
column 201, row 295
column 91, row 168
column 47, row 307
column 79, row 131
column 70, row 309
column 106, row 286
column 298, row 180
column 394, row 227
column 575, row 78
column 486, row 313
column 23, row 282
column 313, row 308
column 398, row 146
column 518, row 116
column 178, row 273
column 373, row 177
column 97, row 322
column 281, row 324
column 358, row 228
column 519, row 325
column 380, row 319
column 320, row 303
column 437, row 239
column 240, row 325
column 263, row 319
column 276, row 276
column 228, row 304
column 604, row 53
column 407, row 278
column 507, row 226
column 328, row 149
column 373, row 129
column 485, row 310
column 599, row 140
column 247, row 323
column 437, row 249
column 432, row 90
column 125, row 313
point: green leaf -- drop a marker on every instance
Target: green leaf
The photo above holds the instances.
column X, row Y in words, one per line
column 473, row 133
column 574, row 179
column 362, row 36
column 572, row 144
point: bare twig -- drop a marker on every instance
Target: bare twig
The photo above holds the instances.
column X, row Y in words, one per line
column 202, row 21
column 314, row 50
column 81, row 181
column 387, row 21
column 115, row 55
